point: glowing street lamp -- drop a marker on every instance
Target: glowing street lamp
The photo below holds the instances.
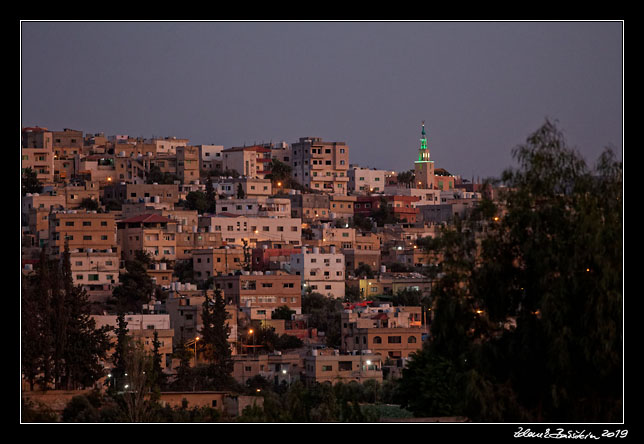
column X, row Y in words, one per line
column 196, row 339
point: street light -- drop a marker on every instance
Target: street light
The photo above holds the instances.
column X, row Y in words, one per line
column 196, row 339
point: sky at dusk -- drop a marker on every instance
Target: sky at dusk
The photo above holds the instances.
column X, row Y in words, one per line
column 480, row 87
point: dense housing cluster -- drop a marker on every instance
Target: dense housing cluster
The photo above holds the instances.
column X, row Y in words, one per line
column 266, row 225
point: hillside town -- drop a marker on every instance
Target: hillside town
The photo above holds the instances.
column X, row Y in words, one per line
column 268, row 227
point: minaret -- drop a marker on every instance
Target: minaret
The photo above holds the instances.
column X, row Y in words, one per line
column 424, row 167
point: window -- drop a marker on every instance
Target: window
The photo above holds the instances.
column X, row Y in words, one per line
column 411, row 340
column 377, row 340
column 394, row 340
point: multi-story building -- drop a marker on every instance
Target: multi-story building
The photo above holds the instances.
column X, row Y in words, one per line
column 142, row 192
column 388, row 283
column 393, row 333
column 210, row 158
column 147, row 232
column 403, row 207
column 265, row 258
column 252, row 187
column 96, row 271
column 240, row 229
column 260, row 206
column 325, row 235
column 82, row 230
column 330, row 366
column 261, row 293
column 68, row 138
column 37, row 153
column 188, row 163
column 310, row 207
column 249, row 161
column 209, row 262
column 321, row 166
column 141, row 327
column 184, row 306
column 341, row 207
column 320, row 272
column 355, row 258
column 168, row 145
column 41, row 201
column 366, row 180
column 275, row 367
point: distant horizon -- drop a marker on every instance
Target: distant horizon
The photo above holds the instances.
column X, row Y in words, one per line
column 482, row 88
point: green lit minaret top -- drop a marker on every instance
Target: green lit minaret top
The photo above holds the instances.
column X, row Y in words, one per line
column 423, row 152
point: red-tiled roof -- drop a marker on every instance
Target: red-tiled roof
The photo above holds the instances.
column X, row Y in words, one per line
column 146, row 218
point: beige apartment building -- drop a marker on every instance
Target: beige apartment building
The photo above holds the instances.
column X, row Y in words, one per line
column 330, row 366
column 188, row 163
column 261, row 293
column 390, row 332
column 147, row 232
column 168, row 145
column 191, row 239
column 142, row 192
column 209, row 262
column 67, row 138
column 321, row 166
column 275, row 367
column 310, row 207
column 39, row 158
column 341, row 207
column 252, row 187
column 82, row 230
column 95, row 270
column 237, row 229
column 245, row 160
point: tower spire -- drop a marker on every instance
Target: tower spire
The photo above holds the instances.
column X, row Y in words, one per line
column 423, row 152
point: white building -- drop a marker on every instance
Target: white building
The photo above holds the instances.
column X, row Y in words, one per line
column 321, row 272
column 366, row 180
column 259, row 206
column 210, row 157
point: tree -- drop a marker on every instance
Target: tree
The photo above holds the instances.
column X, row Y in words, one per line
column 210, row 196
column 61, row 344
column 282, row 312
column 197, row 201
column 214, row 339
column 157, row 376
column 120, row 352
column 136, row 286
column 240, row 191
column 528, row 306
column 90, row 204
column 30, row 182
column 280, row 174
column 384, row 214
column 407, row 178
